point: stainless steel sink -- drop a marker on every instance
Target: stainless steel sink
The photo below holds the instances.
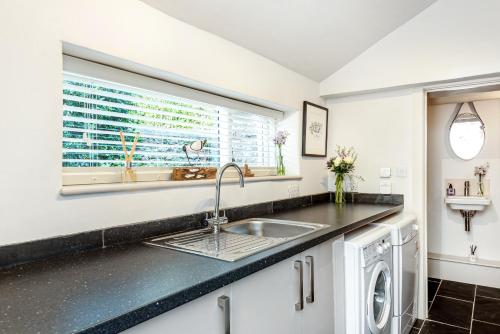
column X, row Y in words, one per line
column 237, row 240
column 270, row 228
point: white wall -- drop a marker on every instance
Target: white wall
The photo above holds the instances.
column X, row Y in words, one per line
column 367, row 123
column 446, row 233
column 387, row 130
column 449, row 40
column 31, row 33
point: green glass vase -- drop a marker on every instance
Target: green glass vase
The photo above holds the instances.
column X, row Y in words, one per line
column 339, row 189
column 280, row 165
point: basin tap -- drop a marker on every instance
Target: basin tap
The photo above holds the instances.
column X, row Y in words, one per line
column 217, row 220
column 466, row 188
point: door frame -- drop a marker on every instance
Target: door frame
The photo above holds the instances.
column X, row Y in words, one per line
column 420, row 154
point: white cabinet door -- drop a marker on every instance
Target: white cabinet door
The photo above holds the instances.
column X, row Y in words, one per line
column 200, row 316
column 318, row 312
column 264, row 302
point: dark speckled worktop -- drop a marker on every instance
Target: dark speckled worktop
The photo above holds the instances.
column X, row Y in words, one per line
column 109, row 290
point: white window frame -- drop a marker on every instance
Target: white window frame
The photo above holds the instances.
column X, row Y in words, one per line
column 83, row 176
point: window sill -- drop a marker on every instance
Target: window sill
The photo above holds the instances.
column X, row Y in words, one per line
column 137, row 186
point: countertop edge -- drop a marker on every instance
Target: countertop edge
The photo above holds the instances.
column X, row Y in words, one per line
column 170, row 302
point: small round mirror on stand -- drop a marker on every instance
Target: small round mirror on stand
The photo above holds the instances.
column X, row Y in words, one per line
column 466, row 133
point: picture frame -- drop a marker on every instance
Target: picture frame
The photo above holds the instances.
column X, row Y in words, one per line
column 314, row 130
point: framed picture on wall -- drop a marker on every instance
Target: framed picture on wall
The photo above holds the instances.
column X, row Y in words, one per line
column 314, row 130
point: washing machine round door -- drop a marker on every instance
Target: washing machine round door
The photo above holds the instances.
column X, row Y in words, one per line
column 379, row 298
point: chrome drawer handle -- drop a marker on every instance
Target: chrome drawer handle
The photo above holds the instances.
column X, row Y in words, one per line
column 224, row 304
column 299, row 306
column 310, row 262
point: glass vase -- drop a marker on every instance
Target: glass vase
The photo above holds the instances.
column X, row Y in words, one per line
column 280, row 166
column 339, row 189
column 128, row 173
column 481, row 186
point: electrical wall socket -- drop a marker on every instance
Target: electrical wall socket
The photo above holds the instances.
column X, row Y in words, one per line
column 385, row 187
column 293, row 190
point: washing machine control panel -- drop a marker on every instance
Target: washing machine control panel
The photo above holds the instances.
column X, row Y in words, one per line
column 373, row 251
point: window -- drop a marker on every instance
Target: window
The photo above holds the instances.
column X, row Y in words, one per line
column 96, row 109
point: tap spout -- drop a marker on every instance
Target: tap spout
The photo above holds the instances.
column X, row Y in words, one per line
column 218, row 182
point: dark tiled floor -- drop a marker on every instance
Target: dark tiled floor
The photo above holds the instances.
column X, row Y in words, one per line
column 451, row 311
column 432, row 288
column 431, row 327
column 460, row 308
column 487, row 309
column 457, row 290
column 488, row 292
column 484, row 328
column 418, row 323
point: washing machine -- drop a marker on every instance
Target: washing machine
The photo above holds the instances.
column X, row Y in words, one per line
column 368, row 281
column 405, row 265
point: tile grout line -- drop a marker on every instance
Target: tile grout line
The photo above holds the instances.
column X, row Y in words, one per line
column 444, row 323
column 488, row 297
column 462, row 300
column 473, row 306
column 486, row 322
column 433, row 299
column 420, row 329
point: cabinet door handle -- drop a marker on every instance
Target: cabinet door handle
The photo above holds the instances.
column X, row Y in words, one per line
column 223, row 302
column 300, row 304
column 310, row 262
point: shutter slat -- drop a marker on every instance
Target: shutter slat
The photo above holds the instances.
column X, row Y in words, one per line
column 155, row 145
column 234, row 125
column 96, row 110
column 147, row 136
column 153, row 101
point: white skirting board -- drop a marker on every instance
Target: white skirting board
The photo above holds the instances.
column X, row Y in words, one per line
column 458, row 269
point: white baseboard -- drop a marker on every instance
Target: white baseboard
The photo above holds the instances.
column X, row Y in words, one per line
column 459, row 270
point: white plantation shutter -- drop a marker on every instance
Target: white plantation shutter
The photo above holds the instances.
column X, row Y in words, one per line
column 96, row 109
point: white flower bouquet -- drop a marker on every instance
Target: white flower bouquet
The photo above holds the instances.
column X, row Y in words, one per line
column 280, row 140
column 480, row 172
column 343, row 164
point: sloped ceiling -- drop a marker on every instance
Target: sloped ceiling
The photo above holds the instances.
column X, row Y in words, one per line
column 314, row 38
column 452, row 40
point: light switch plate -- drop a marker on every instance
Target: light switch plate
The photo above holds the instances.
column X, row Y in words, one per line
column 385, row 172
column 385, row 187
column 400, row 171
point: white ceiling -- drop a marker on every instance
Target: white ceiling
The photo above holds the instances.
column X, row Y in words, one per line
column 311, row 37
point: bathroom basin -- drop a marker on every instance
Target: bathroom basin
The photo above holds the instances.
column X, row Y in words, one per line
column 237, row 240
column 271, row 228
column 468, row 203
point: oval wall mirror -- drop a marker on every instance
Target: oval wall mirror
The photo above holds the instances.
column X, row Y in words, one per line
column 467, row 134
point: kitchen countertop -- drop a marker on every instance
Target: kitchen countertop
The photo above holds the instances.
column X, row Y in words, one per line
column 111, row 289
